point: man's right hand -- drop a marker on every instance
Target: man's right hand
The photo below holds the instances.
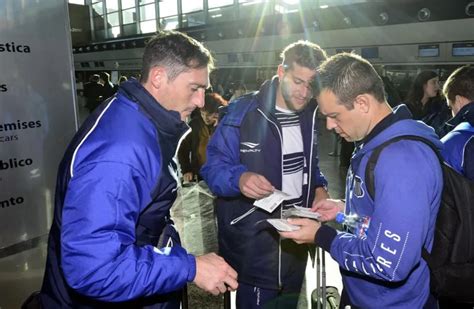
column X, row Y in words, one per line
column 214, row 275
column 328, row 208
column 255, row 186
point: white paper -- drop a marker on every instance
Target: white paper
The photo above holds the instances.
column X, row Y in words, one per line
column 283, row 225
column 303, row 212
column 272, row 201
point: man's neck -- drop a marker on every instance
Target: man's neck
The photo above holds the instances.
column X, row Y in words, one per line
column 382, row 110
column 280, row 101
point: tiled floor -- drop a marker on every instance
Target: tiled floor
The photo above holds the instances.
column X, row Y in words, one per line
column 20, row 274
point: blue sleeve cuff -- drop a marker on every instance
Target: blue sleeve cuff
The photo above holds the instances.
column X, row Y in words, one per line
column 235, row 178
column 192, row 267
column 324, row 237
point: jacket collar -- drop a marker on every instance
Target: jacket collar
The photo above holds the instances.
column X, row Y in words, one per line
column 267, row 95
column 465, row 114
column 165, row 120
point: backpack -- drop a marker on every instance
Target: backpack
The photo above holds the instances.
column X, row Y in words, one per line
column 451, row 261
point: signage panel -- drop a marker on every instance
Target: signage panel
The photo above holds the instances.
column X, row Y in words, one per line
column 37, row 113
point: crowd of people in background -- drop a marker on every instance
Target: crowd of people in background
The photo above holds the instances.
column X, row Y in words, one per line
column 99, row 88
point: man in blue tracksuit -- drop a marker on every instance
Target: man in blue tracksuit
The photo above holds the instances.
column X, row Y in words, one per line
column 459, row 143
column 267, row 140
column 112, row 243
column 381, row 265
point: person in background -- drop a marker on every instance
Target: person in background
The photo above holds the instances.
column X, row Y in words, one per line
column 112, row 242
column 238, row 90
column 425, row 104
column 192, row 152
column 108, row 89
column 267, row 140
column 459, row 143
column 380, row 258
column 93, row 92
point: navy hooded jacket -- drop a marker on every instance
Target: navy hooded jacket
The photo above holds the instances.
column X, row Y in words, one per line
column 249, row 139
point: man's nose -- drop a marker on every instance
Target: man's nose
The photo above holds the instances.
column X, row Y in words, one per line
column 306, row 91
column 330, row 123
column 199, row 98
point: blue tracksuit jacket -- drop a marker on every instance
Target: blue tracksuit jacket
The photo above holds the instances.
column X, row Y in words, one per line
column 459, row 143
column 249, row 139
column 111, row 223
column 384, row 269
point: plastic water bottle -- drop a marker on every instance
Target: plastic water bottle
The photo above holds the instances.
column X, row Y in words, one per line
column 356, row 224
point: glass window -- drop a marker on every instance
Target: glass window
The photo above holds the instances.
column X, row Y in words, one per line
column 98, row 22
column 252, row 1
column 98, row 8
column 221, row 14
column 170, row 23
column 218, row 3
column 191, row 6
column 130, row 29
column 113, row 19
column 148, row 26
column 129, row 16
column 193, row 19
column 255, row 8
column 168, row 8
column 112, row 5
column 145, row 1
column 77, row 1
column 147, row 12
column 115, row 31
column 126, row 4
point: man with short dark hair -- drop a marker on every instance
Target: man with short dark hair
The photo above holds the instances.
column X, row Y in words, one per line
column 112, row 242
column 380, row 253
column 459, row 143
column 267, row 140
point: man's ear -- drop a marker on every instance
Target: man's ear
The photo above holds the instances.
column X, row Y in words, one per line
column 157, row 77
column 280, row 71
column 362, row 102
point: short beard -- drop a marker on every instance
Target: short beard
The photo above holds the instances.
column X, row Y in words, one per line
column 287, row 97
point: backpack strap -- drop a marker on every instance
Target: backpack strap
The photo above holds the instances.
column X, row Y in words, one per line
column 372, row 162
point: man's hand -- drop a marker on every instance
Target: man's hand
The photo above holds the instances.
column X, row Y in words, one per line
column 187, row 177
column 214, row 275
column 306, row 233
column 255, row 186
column 328, row 208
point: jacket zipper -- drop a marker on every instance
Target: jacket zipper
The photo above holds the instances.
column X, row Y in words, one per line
column 313, row 136
column 281, row 164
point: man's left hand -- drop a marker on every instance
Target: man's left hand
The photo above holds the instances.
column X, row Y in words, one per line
column 306, row 233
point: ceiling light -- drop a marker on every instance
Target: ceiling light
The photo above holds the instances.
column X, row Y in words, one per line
column 470, row 9
column 382, row 19
column 424, row 14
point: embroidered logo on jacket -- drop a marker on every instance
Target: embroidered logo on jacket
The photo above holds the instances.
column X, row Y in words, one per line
column 249, row 147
